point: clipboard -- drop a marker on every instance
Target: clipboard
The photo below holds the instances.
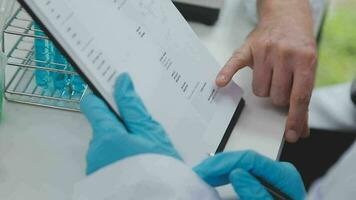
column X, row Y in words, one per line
column 99, row 92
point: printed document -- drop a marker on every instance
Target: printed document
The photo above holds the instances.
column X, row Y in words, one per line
column 172, row 71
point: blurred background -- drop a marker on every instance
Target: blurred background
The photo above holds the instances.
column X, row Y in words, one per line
column 337, row 50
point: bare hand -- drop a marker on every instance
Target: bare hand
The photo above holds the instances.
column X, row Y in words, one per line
column 281, row 50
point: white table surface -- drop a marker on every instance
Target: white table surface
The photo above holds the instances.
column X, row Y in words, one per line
column 42, row 151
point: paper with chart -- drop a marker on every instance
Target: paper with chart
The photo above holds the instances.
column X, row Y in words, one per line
column 172, row 71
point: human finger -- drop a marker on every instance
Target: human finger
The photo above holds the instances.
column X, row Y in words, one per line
column 240, row 59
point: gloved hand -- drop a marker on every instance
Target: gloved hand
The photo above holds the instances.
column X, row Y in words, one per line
column 114, row 140
column 241, row 168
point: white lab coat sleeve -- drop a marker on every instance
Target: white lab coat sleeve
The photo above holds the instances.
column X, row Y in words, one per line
column 146, row 176
column 331, row 108
column 340, row 182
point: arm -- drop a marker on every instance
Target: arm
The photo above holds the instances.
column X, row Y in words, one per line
column 293, row 8
column 282, row 52
column 138, row 161
column 145, row 176
column 340, row 180
column 133, row 158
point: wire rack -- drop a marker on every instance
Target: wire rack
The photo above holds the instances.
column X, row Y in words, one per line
column 22, row 65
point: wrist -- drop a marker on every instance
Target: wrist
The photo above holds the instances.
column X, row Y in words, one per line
column 293, row 14
column 271, row 9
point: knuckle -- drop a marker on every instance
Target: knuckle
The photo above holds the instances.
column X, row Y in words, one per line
column 267, row 43
column 280, row 101
column 260, row 91
column 289, row 166
column 236, row 174
column 302, row 99
column 285, row 48
column 238, row 58
column 226, row 70
column 250, row 153
column 280, row 95
column 262, row 42
column 309, row 53
column 261, row 85
column 238, row 53
column 310, row 56
column 307, row 74
column 293, row 124
column 306, row 82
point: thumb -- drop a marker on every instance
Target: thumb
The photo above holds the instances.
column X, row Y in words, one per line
column 131, row 107
column 240, row 59
column 247, row 186
column 100, row 117
column 132, row 110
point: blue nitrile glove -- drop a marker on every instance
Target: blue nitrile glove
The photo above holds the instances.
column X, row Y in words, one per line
column 112, row 140
column 241, row 168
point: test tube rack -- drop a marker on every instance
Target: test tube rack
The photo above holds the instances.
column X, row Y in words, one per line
column 19, row 40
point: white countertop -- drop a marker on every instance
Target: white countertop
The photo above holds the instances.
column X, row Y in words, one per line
column 42, row 151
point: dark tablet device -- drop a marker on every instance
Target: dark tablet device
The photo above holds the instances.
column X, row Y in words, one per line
column 200, row 12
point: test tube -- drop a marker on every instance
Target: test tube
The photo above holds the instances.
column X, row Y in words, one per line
column 41, row 58
column 77, row 84
column 58, row 62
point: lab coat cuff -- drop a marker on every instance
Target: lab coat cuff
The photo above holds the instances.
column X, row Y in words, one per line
column 146, row 176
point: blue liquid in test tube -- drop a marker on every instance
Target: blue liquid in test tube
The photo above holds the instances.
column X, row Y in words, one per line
column 78, row 85
column 58, row 62
column 41, row 57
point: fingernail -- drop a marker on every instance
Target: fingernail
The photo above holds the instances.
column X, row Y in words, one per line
column 291, row 136
column 221, row 79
